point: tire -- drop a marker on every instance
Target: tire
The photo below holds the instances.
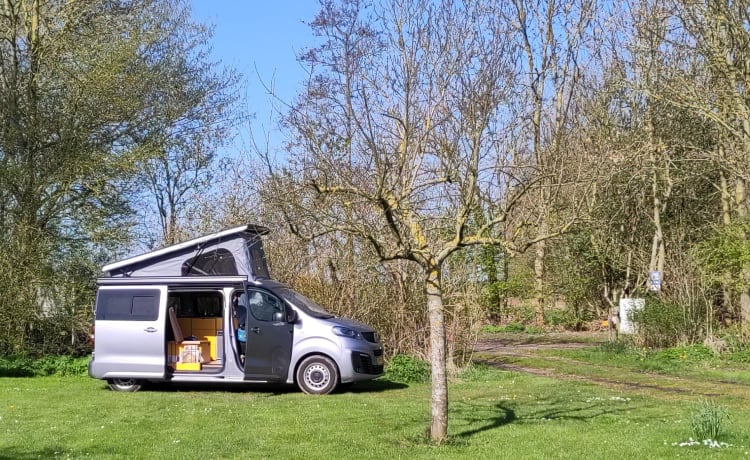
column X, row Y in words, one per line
column 127, row 385
column 317, row 375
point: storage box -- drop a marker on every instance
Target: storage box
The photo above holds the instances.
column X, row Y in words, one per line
column 188, row 366
column 195, row 351
column 188, row 352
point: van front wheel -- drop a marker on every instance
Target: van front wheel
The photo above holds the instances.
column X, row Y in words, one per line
column 317, row 375
column 129, row 385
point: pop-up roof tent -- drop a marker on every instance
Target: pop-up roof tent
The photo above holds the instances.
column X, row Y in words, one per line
column 232, row 252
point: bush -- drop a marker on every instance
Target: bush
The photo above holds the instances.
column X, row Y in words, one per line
column 661, row 324
column 50, row 365
column 514, row 327
column 568, row 319
column 742, row 357
column 534, row 330
column 708, row 420
column 408, row 369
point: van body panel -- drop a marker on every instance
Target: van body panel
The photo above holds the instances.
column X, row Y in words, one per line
column 133, row 347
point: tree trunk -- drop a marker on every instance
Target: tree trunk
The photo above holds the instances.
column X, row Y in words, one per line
column 439, row 425
column 539, row 298
column 739, row 197
column 726, row 218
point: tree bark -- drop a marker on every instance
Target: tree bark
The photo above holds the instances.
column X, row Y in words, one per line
column 539, row 297
column 433, row 289
column 740, row 198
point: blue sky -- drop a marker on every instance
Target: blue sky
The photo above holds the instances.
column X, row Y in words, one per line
column 260, row 39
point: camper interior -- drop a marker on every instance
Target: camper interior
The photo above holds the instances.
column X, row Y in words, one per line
column 196, row 341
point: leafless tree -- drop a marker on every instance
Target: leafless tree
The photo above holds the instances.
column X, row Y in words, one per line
column 403, row 135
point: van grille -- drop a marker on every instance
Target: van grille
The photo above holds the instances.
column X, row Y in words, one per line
column 362, row 363
column 371, row 337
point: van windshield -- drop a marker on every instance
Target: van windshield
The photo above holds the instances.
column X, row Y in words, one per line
column 300, row 301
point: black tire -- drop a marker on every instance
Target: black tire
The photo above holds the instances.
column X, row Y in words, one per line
column 127, row 385
column 317, row 375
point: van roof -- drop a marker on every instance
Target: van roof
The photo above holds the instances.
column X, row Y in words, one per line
column 246, row 231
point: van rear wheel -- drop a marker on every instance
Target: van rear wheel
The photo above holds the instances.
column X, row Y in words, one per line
column 317, row 375
column 129, row 385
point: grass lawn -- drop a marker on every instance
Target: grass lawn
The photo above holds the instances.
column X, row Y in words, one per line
column 493, row 414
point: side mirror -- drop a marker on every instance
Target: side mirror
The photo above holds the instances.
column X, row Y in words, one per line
column 278, row 316
column 291, row 316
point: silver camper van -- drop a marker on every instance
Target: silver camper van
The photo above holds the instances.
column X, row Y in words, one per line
column 206, row 310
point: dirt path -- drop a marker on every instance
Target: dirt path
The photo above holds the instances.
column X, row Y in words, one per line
column 504, row 352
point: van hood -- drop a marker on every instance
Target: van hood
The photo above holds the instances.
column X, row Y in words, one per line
column 350, row 323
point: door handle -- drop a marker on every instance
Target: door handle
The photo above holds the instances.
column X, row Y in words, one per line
column 150, row 329
column 255, row 329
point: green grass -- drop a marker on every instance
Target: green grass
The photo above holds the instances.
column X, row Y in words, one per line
column 493, row 414
column 689, row 362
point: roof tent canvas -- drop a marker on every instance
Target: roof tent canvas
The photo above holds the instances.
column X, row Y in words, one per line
column 236, row 251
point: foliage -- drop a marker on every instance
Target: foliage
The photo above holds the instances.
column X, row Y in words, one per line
column 723, row 256
column 407, row 369
column 15, row 366
column 571, row 319
column 510, row 327
column 662, row 324
column 90, row 92
column 708, row 420
column 691, row 353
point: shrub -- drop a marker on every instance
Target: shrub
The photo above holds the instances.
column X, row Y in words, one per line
column 534, row 330
column 50, row 365
column 708, row 420
column 514, row 327
column 660, row 324
column 742, row 357
column 567, row 318
column 407, row 369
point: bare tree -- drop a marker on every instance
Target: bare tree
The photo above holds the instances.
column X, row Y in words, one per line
column 401, row 137
column 194, row 119
column 553, row 36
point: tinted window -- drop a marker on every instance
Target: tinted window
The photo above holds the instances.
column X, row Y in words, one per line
column 258, row 263
column 128, row 305
column 196, row 304
column 217, row 262
column 264, row 306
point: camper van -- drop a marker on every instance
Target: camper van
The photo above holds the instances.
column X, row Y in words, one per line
column 206, row 310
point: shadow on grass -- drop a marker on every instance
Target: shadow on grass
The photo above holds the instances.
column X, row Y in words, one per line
column 15, row 372
column 490, row 417
column 270, row 389
column 18, row 454
column 371, row 386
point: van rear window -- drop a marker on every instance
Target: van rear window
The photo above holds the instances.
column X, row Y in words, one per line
column 128, row 305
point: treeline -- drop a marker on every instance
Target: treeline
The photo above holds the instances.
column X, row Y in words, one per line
column 445, row 165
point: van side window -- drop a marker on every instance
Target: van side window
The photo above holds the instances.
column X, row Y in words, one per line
column 265, row 307
column 128, row 305
column 196, row 304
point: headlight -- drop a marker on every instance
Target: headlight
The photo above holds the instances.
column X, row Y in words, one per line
column 346, row 332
